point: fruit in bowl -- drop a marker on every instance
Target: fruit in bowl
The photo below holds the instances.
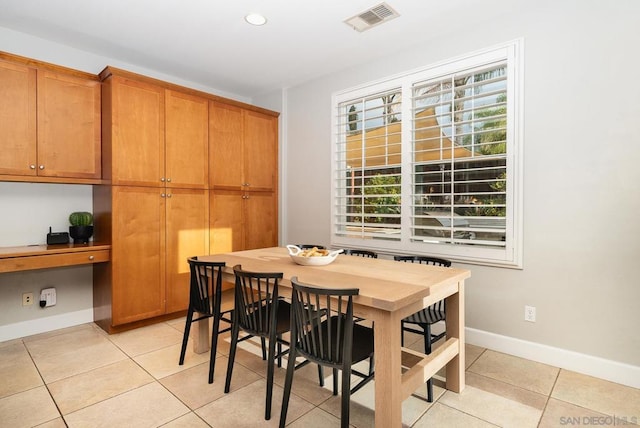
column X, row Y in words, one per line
column 312, row 256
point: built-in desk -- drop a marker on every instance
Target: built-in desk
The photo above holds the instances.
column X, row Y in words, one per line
column 14, row 259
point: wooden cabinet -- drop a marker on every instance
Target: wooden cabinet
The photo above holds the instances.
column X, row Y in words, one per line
column 243, row 148
column 243, row 165
column 153, row 233
column 242, row 220
column 49, row 123
column 186, row 140
column 158, row 137
column 157, row 148
column 68, row 126
column 17, row 119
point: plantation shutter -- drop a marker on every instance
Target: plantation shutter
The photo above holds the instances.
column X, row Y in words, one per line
column 368, row 167
column 459, row 158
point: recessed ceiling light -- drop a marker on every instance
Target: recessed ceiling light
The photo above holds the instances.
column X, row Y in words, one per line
column 255, row 19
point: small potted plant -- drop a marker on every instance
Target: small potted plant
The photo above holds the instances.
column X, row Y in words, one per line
column 81, row 228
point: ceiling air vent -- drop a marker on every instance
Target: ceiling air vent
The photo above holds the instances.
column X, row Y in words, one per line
column 372, row 17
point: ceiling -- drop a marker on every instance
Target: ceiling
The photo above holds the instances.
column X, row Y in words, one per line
column 209, row 43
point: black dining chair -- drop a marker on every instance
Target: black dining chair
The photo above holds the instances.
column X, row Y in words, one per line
column 310, row 246
column 427, row 316
column 259, row 312
column 361, row 253
column 329, row 338
column 207, row 300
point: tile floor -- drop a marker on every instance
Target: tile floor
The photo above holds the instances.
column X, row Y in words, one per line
column 82, row 377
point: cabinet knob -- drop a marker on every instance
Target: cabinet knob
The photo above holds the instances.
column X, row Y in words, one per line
column 162, row 195
column 162, row 179
column 32, row 166
column 91, row 257
column 168, row 195
column 41, row 167
column 168, row 180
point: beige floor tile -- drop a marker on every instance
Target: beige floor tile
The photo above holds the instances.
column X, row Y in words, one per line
column 28, row 408
column 559, row 413
column 497, row 402
column 177, row 323
column 17, row 371
column 56, row 423
column 79, row 391
column 516, row 371
column 306, row 383
column 190, row 420
column 146, row 339
column 598, row 395
column 191, row 386
column 444, row 416
column 61, row 356
column 148, row 406
column 49, row 334
column 360, row 415
column 316, row 418
column 472, row 353
column 245, row 407
column 363, row 405
column 164, row 362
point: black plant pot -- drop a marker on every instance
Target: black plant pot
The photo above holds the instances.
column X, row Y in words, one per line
column 81, row 234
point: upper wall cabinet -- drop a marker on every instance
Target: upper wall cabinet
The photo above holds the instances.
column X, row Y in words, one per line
column 153, row 136
column 49, row 123
column 243, row 148
column 186, row 140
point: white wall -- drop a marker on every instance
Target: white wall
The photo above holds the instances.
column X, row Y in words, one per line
column 582, row 169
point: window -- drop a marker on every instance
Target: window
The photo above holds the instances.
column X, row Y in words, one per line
column 429, row 162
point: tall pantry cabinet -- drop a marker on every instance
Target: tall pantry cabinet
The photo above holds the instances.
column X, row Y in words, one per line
column 155, row 211
column 243, row 165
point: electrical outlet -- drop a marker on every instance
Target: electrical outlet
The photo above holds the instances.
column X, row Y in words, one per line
column 530, row 313
column 48, row 297
column 27, row 299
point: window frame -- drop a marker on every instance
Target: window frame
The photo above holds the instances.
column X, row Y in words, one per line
column 508, row 256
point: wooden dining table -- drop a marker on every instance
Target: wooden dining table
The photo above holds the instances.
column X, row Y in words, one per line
column 389, row 291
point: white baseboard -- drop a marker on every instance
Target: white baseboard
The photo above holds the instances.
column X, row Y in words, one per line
column 43, row 325
column 613, row 371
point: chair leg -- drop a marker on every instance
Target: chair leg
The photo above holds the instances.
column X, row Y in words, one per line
column 320, row 375
column 288, row 381
column 214, row 346
column 427, row 350
column 335, row 381
column 279, row 346
column 185, row 337
column 270, row 372
column 264, row 348
column 346, row 396
column 235, row 331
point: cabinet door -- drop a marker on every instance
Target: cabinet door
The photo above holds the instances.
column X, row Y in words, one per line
column 226, row 222
column 68, row 126
column 260, row 151
column 226, row 139
column 187, row 141
column 187, row 234
column 137, row 132
column 17, row 119
column 137, row 254
column 261, row 220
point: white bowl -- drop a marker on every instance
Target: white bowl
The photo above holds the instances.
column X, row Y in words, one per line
column 311, row 261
